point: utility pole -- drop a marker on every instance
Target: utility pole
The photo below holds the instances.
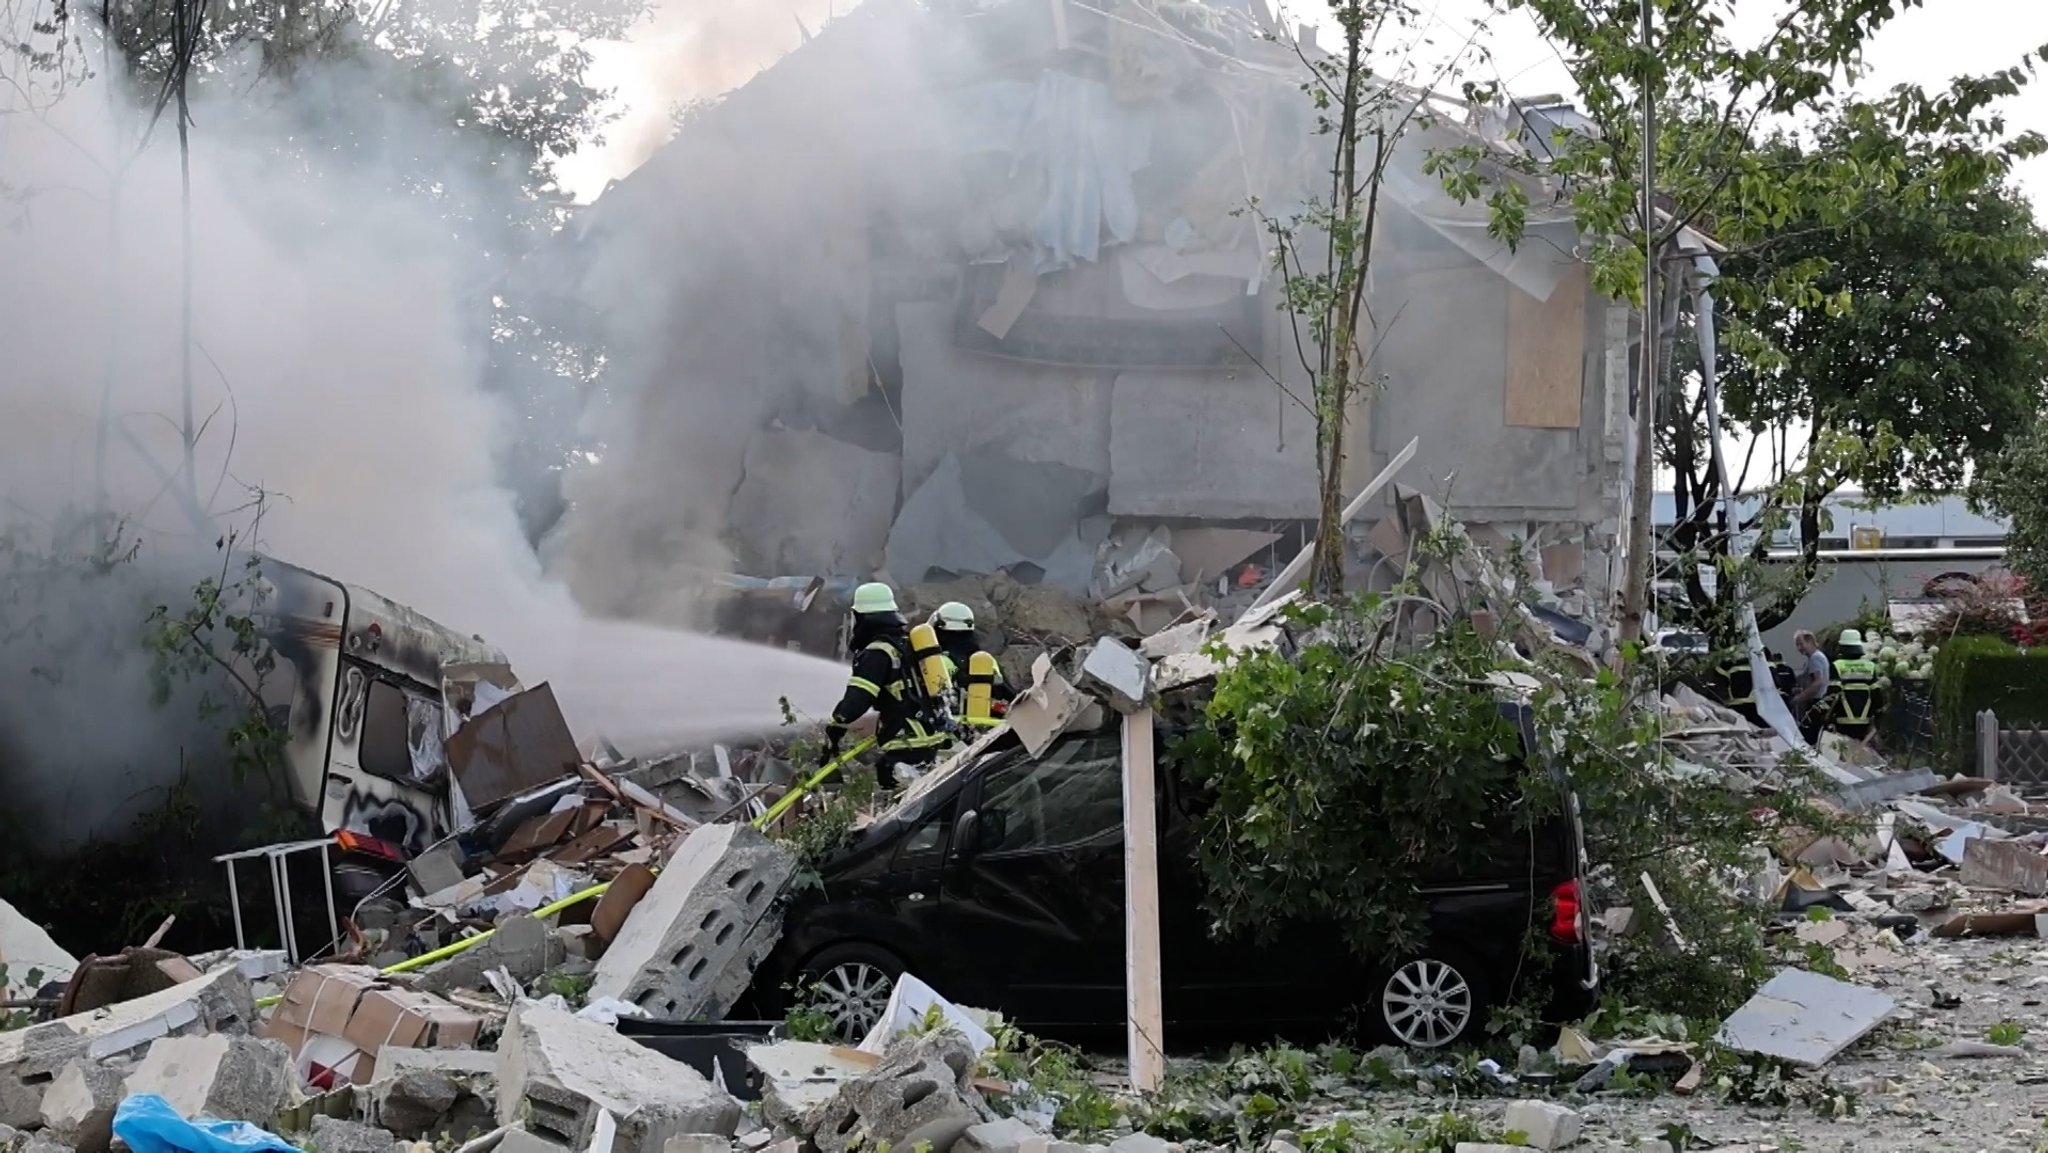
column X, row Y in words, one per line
column 1635, row 593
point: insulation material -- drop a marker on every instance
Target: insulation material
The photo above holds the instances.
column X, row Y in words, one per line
column 1770, row 703
column 26, row 949
column 1546, row 366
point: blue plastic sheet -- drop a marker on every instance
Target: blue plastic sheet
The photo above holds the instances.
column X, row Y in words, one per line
column 148, row 1124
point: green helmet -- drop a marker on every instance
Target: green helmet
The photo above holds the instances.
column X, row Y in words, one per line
column 953, row 617
column 874, row 597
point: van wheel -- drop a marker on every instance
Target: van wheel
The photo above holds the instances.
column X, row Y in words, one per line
column 850, row 984
column 1434, row 999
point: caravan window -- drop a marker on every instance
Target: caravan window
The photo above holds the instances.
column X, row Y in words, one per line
column 385, row 751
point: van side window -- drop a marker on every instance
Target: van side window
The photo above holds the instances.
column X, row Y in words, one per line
column 925, row 839
column 1074, row 795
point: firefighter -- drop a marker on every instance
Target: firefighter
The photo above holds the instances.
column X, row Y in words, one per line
column 1856, row 702
column 955, row 624
column 909, row 727
column 1740, row 684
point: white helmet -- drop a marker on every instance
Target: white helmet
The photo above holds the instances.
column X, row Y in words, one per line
column 953, row 617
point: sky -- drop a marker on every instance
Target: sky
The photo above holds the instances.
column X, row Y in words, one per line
column 693, row 49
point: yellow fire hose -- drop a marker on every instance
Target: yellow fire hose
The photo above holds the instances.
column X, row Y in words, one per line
column 464, row 946
column 790, row 798
column 781, row 806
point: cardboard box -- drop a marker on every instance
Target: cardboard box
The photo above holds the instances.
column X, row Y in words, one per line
column 323, row 998
column 399, row 1018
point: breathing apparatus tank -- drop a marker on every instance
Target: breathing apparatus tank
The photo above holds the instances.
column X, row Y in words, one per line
column 981, row 681
column 929, row 661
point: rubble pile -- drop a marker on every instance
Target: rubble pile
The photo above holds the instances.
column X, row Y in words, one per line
column 485, row 991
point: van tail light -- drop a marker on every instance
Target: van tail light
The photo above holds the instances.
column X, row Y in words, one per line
column 353, row 842
column 1564, row 915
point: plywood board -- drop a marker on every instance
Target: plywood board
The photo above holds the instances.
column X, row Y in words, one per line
column 1547, row 355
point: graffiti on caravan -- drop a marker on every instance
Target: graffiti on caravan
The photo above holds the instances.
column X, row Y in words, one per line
column 387, row 819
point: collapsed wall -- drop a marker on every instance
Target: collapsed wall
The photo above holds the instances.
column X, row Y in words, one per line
column 932, row 325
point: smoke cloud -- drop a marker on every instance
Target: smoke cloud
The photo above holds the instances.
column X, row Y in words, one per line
column 338, row 351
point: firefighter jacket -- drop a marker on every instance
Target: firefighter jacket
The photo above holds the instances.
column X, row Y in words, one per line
column 883, row 680
column 1858, row 680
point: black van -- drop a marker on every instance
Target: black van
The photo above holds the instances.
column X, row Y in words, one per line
column 1002, row 886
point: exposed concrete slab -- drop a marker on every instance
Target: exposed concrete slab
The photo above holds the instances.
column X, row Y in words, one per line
column 232, row 1078
column 558, row 1072
column 1210, row 445
column 79, row 1107
column 31, row 1058
column 809, row 504
column 955, row 401
column 1446, row 362
column 997, row 514
column 702, row 913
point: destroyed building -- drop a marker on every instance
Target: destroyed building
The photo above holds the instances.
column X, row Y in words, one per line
column 969, row 288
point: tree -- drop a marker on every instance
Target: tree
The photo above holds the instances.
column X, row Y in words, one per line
column 1916, row 351
column 2015, row 485
column 1678, row 103
column 1324, row 252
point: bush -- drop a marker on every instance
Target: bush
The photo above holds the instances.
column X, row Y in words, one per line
column 1974, row 673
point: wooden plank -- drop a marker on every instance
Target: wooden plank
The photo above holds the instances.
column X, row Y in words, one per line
column 1145, row 1008
column 1285, row 582
column 1546, row 355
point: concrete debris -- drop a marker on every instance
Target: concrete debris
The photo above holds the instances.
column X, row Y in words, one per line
column 702, row 916
column 809, row 503
column 920, row 1092
column 333, row 1135
column 698, row 1143
column 219, row 1002
column 799, row 1078
column 423, row 1093
column 1004, row 1135
column 517, row 1140
column 78, row 1108
column 522, row 946
column 1546, row 1124
column 232, row 1078
column 559, row 1073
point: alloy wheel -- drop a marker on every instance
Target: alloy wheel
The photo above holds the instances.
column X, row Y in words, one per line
column 854, row 994
column 1426, row 1003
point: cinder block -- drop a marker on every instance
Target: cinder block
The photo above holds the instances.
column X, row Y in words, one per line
column 557, row 1071
column 704, row 911
column 1547, row 1124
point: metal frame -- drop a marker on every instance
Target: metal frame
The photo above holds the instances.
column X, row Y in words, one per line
column 280, row 890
